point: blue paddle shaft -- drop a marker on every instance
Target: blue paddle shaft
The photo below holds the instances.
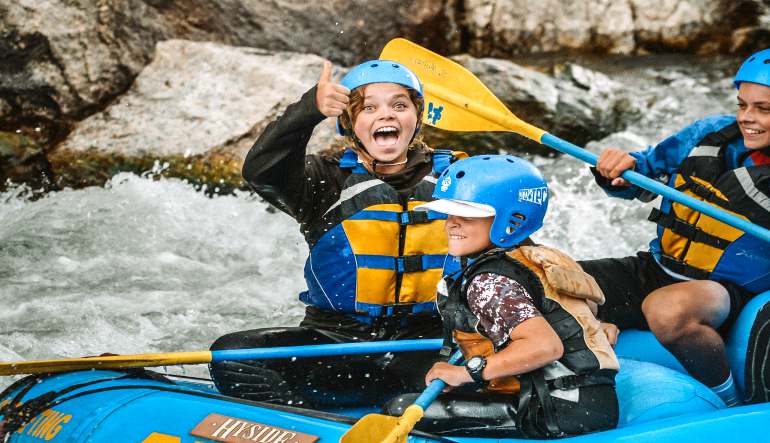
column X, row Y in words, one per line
column 661, row 189
column 436, row 386
column 371, row 347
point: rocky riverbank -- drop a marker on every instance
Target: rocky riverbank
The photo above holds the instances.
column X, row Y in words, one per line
column 92, row 87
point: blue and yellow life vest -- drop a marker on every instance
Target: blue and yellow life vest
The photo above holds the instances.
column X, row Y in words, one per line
column 700, row 247
column 372, row 255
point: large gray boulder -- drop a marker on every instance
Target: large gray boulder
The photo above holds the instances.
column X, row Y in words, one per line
column 193, row 112
column 198, row 107
column 66, row 59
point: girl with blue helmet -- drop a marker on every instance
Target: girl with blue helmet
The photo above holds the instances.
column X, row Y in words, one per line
column 374, row 261
column 699, row 272
column 538, row 363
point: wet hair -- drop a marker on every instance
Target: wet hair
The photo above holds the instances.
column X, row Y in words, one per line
column 356, row 105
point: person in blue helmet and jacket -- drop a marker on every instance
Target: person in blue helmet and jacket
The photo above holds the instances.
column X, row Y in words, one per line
column 538, row 363
column 699, row 272
column 374, row 261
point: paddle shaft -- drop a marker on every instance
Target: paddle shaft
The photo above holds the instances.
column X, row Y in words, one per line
column 518, row 126
column 661, row 189
column 378, row 428
column 372, row 347
column 179, row 358
column 436, row 386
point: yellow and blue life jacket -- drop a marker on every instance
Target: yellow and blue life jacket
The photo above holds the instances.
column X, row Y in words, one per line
column 371, row 254
column 700, row 247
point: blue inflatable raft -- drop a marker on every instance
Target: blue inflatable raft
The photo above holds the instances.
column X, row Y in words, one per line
column 659, row 402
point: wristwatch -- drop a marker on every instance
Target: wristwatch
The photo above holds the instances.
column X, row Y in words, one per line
column 475, row 366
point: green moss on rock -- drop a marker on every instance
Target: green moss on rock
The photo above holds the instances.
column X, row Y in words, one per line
column 216, row 172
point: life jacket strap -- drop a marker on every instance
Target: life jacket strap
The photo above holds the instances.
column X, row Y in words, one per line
column 371, row 314
column 567, row 382
column 349, row 160
column 419, row 217
column 402, row 218
column 442, row 158
column 684, row 229
column 401, row 264
column 702, row 192
column 683, row 268
column 535, row 407
column 722, row 136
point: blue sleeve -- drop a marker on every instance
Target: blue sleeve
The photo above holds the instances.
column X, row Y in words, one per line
column 660, row 161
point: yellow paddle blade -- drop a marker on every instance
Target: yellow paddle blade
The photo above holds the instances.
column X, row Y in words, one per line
column 455, row 99
column 106, row 362
column 377, row 428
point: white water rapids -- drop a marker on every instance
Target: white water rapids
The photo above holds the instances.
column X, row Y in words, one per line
column 145, row 265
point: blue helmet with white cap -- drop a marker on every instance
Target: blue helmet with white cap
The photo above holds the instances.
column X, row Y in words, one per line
column 755, row 69
column 381, row 71
column 512, row 186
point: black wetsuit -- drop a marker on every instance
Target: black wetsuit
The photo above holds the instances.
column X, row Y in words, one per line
column 305, row 187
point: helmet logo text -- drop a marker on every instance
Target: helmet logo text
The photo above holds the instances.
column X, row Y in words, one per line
column 537, row 196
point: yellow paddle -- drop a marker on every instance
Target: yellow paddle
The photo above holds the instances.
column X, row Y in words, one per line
column 455, row 100
column 378, row 428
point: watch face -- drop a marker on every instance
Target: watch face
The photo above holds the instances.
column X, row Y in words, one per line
column 474, row 363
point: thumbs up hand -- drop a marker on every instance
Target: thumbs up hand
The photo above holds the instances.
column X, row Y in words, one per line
column 330, row 98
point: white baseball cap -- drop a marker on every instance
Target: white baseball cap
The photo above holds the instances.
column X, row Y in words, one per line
column 458, row 207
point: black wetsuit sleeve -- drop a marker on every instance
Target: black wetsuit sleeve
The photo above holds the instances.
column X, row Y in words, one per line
column 277, row 167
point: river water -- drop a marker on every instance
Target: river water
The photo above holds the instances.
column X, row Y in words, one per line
column 145, row 265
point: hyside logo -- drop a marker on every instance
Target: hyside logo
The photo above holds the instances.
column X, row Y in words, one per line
column 446, row 183
column 537, row 196
column 434, row 113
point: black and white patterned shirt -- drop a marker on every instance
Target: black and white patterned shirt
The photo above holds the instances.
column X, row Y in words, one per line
column 501, row 304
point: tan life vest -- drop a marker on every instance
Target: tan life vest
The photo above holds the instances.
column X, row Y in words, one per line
column 565, row 288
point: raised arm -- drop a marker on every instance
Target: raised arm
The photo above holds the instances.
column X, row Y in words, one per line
column 275, row 166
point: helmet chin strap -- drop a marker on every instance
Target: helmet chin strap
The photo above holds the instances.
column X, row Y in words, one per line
column 375, row 163
column 379, row 163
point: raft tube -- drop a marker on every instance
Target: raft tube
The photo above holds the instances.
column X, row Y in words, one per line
column 658, row 402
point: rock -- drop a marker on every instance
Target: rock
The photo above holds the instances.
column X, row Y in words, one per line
column 197, row 108
column 576, row 104
column 22, row 160
column 68, row 59
column 500, row 28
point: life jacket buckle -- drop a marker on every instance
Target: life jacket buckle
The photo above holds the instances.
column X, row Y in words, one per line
column 409, row 263
column 565, row 383
column 414, row 217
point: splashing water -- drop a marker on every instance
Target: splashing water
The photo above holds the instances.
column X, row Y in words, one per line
column 145, row 265
column 141, row 266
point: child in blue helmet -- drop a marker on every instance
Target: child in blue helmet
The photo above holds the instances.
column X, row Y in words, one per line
column 373, row 261
column 537, row 361
column 699, row 272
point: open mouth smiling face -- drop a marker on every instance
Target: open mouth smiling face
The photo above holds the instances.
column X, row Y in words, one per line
column 387, row 121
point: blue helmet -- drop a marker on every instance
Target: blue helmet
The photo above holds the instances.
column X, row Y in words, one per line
column 756, row 69
column 380, row 71
column 510, row 185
